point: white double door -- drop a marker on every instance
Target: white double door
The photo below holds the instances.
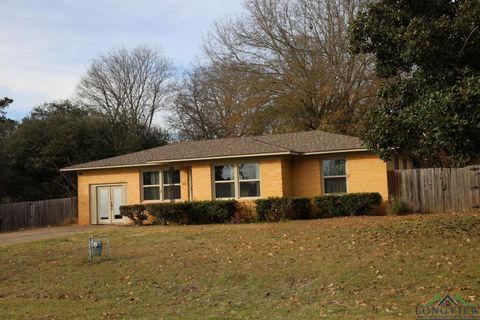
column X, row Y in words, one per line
column 109, row 200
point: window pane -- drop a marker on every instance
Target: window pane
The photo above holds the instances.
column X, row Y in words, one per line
column 335, row 185
column 333, row 168
column 151, row 177
column 151, row 193
column 224, row 173
column 248, row 171
column 171, row 192
column 250, row 189
column 171, row 176
column 225, row 190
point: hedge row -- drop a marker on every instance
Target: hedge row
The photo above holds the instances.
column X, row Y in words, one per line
column 269, row 209
column 350, row 204
column 193, row 212
column 283, row 208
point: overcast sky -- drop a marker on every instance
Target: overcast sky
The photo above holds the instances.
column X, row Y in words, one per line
column 45, row 46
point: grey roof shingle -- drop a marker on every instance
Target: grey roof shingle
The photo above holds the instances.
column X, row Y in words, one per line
column 287, row 143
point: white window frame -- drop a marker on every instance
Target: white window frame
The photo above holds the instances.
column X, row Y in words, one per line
column 160, row 186
column 236, row 179
column 171, row 185
column 332, row 177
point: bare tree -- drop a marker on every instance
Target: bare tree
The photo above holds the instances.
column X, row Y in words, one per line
column 128, row 87
column 219, row 101
column 295, row 53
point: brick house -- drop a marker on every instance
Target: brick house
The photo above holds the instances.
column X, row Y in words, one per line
column 302, row 164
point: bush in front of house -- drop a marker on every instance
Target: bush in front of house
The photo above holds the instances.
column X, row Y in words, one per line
column 329, row 206
column 397, row 207
column 282, row 208
column 166, row 213
column 359, row 204
column 135, row 212
column 350, row 204
column 194, row 212
column 216, row 211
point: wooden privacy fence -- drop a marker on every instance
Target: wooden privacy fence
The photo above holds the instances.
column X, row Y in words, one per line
column 437, row 189
column 14, row 216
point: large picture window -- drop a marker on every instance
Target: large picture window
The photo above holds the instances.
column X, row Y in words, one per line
column 334, row 176
column 237, row 180
column 161, row 185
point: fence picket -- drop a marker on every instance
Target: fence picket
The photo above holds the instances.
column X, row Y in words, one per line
column 14, row 216
column 437, row 189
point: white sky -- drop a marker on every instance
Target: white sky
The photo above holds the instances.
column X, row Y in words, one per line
column 45, row 46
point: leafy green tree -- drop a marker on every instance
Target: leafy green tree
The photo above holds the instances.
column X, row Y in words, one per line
column 6, row 127
column 427, row 53
column 56, row 135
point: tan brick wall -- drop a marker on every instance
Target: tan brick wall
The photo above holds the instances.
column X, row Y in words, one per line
column 131, row 177
column 202, row 181
column 306, row 179
column 184, row 183
column 128, row 176
column 366, row 173
column 271, row 175
column 287, row 183
column 296, row 176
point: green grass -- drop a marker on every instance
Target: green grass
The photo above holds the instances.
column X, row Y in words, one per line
column 343, row 268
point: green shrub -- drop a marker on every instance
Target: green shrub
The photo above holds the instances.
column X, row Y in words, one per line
column 354, row 204
column 195, row 212
column 397, row 207
column 170, row 212
column 136, row 213
column 216, row 211
column 329, row 206
column 359, row 204
column 282, row 208
column 301, row 208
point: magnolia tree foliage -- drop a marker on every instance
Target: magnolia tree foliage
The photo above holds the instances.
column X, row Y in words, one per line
column 427, row 52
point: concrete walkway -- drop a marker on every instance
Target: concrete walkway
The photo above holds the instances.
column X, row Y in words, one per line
column 48, row 233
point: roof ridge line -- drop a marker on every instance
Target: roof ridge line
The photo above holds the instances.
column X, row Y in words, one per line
column 272, row 144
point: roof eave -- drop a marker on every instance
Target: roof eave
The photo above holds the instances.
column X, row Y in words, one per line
column 158, row 162
column 334, row 151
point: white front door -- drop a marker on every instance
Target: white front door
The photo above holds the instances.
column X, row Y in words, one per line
column 109, row 200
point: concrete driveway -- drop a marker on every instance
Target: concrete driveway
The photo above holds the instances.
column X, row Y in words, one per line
column 48, row 233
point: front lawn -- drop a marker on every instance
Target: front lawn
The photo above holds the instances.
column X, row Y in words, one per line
column 342, row 268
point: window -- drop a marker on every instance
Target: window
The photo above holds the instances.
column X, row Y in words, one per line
column 151, row 185
column 161, row 185
column 171, row 184
column 249, row 177
column 224, row 181
column 404, row 161
column 237, row 180
column 334, row 176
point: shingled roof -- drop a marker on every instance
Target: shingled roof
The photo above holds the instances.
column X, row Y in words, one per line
column 298, row 143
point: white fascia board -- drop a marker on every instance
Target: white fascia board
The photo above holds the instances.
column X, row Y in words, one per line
column 108, row 167
column 334, row 151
